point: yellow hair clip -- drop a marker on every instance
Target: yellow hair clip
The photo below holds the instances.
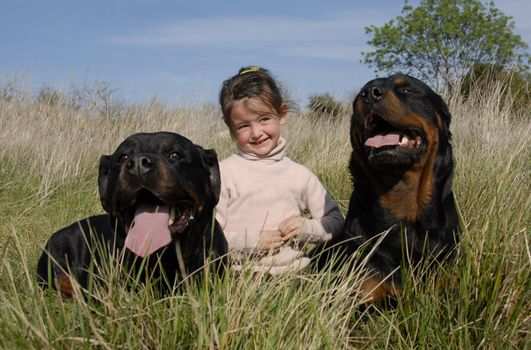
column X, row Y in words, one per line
column 250, row 69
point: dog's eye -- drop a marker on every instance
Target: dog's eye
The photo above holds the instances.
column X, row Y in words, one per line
column 406, row 90
column 123, row 157
column 175, row 156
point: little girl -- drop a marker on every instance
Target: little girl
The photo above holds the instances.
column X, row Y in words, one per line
column 263, row 192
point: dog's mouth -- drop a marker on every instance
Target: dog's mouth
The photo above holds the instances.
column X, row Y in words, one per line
column 152, row 223
column 382, row 138
column 179, row 214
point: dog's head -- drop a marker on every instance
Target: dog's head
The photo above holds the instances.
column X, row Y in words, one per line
column 400, row 135
column 398, row 123
column 162, row 174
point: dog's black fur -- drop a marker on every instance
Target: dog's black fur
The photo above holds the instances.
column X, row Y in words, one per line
column 147, row 168
column 404, row 190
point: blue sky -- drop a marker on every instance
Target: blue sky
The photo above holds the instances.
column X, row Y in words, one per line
column 181, row 51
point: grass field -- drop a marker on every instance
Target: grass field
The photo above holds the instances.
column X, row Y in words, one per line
column 49, row 152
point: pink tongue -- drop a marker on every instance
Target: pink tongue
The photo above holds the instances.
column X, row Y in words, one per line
column 383, row 140
column 150, row 230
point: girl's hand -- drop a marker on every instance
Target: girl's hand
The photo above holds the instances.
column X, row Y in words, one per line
column 270, row 239
column 290, row 227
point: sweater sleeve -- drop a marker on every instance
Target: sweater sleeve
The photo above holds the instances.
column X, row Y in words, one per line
column 326, row 219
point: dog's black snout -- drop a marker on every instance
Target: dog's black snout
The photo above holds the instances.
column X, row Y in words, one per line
column 130, row 164
column 377, row 93
column 140, row 165
column 145, row 165
column 372, row 94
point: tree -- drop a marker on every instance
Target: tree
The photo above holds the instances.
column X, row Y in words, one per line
column 439, row 40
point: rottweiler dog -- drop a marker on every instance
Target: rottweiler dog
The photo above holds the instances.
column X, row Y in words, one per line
column 159, row 191
column 402, row 210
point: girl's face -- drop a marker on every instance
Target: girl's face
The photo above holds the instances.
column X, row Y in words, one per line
column 255, row 125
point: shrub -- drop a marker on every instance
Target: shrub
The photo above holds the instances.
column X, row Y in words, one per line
column 325, row 104
column 49, row 96
column 515, row 86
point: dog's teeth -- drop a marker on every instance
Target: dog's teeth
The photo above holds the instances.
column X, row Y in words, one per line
column 171, row 220
column 404, row 141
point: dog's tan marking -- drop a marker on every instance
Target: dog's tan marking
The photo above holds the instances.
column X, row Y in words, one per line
column 374, row 290
column 64, row 285
column 400, row 82
column 393, row 107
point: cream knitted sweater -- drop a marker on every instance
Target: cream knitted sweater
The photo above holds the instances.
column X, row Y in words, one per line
column 257, row 194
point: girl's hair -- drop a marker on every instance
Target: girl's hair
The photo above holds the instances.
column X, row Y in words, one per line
column 250, row 82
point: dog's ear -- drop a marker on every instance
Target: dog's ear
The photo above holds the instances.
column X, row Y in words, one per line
column 442, row 109
column 103, row 181
column 444, row 163
column 210, row 159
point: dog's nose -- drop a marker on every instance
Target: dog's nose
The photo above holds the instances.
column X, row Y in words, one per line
column 372, row 94
column 140, row 165
column 145, row 165
column 377, row 93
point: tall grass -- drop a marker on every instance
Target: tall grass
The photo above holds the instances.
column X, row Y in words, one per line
column 49, row 154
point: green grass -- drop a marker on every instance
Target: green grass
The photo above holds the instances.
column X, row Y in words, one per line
column 49, row 156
